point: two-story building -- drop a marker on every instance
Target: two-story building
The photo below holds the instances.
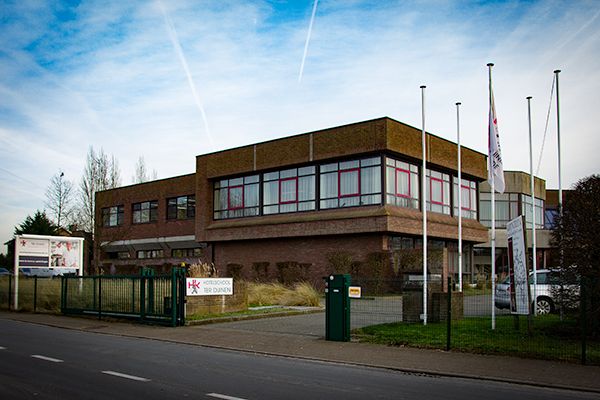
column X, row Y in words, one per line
column 355, row 188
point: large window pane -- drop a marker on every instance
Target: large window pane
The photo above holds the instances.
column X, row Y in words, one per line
column 349, row 183
column 329, row 185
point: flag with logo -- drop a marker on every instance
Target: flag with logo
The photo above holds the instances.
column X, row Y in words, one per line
column 495, row 168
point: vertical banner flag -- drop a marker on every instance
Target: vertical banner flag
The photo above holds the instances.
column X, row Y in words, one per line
column 495, row 168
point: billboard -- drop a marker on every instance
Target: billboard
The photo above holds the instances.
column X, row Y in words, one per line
column 46, row 256
column 61, row 253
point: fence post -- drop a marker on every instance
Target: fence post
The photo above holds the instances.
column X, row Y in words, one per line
column 173, row 297
column 142, row 298
column 449, row 313
column 9, row 291
column 583, row 325
column 35, row 293
column 99, row 297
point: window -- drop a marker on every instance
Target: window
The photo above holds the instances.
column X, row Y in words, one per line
column 400, row 242
column 196, row 252
column 469, row 198
column 145, row 212
column 550, row 215
column 402, row 186
column 507, row 208
column 150, row 253
column 113, row 216
column 120, row 255
column 289, row 191
column 528, row 212
column 438, row 192
column 350, row 183
column 238, row 197
column 181, row 207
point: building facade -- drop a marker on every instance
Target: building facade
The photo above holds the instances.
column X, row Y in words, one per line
column 355, row 189
column 516, row 200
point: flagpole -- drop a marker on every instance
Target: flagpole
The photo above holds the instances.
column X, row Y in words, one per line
column 490, row 166
column 424, row 206
column 533, row 206
column 460, row 284
column 560, row 194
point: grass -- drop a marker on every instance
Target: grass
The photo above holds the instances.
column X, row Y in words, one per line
column 273, row 293
column 552, row 339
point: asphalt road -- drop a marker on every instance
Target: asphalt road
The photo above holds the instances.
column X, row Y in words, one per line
column 51, row 363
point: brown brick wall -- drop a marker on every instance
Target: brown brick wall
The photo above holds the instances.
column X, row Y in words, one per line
column 303, row 250
column 159, row 190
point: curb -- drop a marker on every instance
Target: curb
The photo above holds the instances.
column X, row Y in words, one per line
column 209, row 321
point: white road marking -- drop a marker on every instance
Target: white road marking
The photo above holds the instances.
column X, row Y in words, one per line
column 120, row 375
column 2, row 348
column 56, row 360
column 224, row 396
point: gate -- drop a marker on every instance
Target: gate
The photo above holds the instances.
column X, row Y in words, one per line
column 158, row 299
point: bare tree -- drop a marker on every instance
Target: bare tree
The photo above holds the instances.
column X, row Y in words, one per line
column 141, row 172
column 60, row 200
column 100, row 173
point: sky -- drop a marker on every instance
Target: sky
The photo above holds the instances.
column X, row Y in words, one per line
column 171, row 80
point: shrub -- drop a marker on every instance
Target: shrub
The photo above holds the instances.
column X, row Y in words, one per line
column 202, row 270
column 234, row 271
column 262, row 294
column 260, row 271
column 340, row 262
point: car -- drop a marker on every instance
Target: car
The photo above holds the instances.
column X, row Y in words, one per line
column 39, row 272
column 544, row 291
column 5, row 272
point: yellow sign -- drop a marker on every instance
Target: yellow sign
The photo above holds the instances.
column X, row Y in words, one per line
column 354, row 291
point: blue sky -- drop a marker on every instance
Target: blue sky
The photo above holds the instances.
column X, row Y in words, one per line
column 174, row 79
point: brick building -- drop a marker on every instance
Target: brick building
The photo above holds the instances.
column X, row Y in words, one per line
column 355, row 188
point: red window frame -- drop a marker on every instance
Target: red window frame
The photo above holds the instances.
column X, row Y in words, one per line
column 340, row 182
column 229, row 197
column 296, row 192
column 431, row 179
column 470, row 203
column 409, row 185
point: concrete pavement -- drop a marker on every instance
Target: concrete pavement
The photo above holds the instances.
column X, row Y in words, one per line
column 404, row 359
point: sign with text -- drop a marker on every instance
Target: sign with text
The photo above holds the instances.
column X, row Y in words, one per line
column 354, row 292
column 517, row 267
column 209, row 286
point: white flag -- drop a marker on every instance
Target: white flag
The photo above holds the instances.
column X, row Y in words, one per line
column 495, row 168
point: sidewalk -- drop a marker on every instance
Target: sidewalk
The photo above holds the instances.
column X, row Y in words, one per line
column 404, row 359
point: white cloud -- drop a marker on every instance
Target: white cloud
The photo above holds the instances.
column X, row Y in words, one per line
column 111, row 78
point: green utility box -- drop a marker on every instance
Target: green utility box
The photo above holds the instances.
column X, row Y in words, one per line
column 337, row 307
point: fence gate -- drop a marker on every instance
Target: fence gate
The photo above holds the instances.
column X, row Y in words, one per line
column 158, row 299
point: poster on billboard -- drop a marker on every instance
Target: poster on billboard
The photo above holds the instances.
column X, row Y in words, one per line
column 517, row 267
column 60, row 255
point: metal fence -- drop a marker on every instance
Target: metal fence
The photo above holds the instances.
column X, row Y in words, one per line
column 150, row 298
column 392, row 311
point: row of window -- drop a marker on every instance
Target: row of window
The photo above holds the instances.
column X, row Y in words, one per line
column 341, row 184
column 509, row 206
column 182, row 207
column 195, row 252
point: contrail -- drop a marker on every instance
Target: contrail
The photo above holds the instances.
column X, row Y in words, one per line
column 312, row 18
column 175, row 40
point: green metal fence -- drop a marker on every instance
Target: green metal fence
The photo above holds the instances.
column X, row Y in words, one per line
column 149, row 298
column 391, row 311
